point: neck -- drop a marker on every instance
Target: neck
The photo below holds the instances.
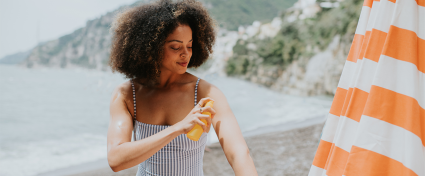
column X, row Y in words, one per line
column 168, row 79
column 165, row 81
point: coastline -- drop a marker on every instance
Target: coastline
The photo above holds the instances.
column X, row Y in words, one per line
column 291, row 145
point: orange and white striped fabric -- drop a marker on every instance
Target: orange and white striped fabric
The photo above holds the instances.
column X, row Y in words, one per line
column 376, row 125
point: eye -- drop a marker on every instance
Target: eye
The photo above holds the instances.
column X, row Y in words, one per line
column 174, row 48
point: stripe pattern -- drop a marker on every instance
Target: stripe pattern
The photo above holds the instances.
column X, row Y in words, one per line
column 376, row 125
column 180, row 157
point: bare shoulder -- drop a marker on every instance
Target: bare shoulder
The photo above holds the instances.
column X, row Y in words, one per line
column 221, row 105
column 123, row 91
column 207, row 89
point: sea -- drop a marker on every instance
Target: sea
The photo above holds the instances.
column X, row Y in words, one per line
column 53, row 118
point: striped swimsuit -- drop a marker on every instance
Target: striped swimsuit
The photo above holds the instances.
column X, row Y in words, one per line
column 180, row 157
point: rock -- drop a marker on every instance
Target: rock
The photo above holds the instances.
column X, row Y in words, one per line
column 87, row 47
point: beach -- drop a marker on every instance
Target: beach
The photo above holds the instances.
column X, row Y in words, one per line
column 68, row 136
column 282, row 153
column 286, row 149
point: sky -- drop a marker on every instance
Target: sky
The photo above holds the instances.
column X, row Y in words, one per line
column 24, row 23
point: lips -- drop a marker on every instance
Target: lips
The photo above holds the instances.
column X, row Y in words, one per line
column 183, row 64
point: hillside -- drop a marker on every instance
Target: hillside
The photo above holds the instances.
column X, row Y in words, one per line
column 89, row 46
column 86, row 47
column 230, row 14
column 305, row 57
column 15, row 58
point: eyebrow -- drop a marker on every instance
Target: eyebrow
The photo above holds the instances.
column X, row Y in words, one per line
column 178, row 41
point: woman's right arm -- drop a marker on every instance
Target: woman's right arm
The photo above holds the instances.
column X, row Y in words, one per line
column 122, row 153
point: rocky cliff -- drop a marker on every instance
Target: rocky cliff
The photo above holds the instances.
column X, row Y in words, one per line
column 307, row 54
column 86, row 47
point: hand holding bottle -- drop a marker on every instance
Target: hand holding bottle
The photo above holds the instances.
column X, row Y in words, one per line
column 196, row 118
column 197, row 130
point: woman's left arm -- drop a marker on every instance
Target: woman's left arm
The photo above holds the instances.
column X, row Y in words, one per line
column 230, row 135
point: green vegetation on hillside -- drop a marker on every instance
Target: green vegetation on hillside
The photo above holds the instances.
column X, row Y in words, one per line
column 230, row 14
column 299, row 39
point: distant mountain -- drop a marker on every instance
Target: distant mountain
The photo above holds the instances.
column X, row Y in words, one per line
column 86, row 47
column 15, row 58
column 230, row 14
column 89, row 46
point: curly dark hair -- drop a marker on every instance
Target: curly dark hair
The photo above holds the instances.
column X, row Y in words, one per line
column 140, row 33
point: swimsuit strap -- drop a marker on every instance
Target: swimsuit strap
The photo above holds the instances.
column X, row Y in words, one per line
column 196, row 91
column 134, row 98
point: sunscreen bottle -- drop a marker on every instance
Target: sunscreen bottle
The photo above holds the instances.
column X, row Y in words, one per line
column 197, row 130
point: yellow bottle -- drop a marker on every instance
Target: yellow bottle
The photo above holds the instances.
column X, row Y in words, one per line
column 197, row 131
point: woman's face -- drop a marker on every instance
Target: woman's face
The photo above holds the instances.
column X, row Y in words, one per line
column 178, row 50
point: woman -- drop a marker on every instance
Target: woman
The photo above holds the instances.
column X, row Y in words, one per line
column 153, row 46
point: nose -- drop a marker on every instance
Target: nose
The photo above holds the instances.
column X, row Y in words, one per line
column 185, row 52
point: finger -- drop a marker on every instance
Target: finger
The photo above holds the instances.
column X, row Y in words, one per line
column 209, row 109
column 202, row 116
column 202, row 124
column 208, row 128
column 203, row 101
column 200, row 105
column 198, row 110
column 208, row 120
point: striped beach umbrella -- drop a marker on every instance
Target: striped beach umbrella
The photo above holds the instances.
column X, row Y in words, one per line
column 376, row 125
